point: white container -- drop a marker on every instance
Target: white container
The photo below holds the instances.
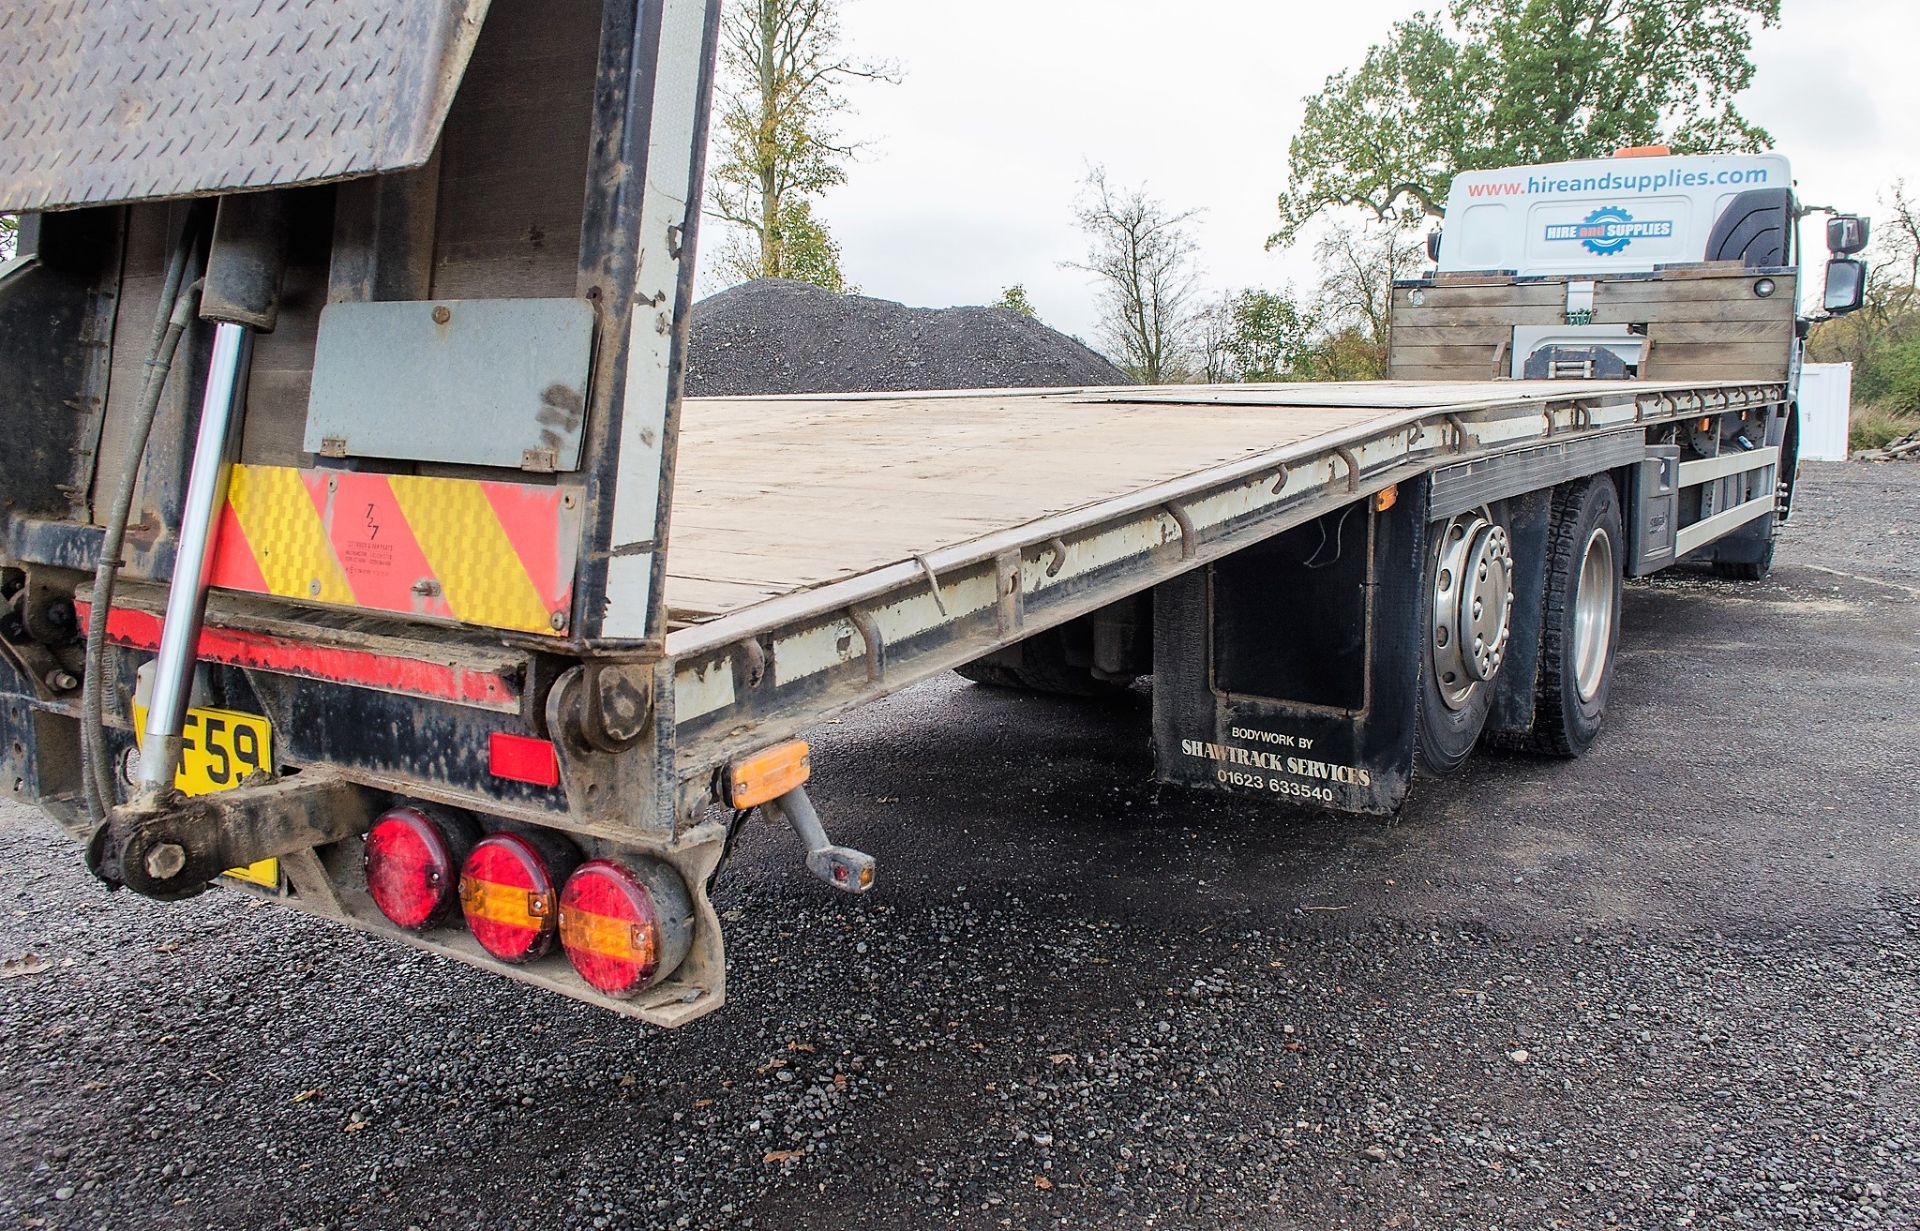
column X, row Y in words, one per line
column 1826, row 408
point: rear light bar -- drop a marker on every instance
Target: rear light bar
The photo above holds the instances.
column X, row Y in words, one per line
column 625, row 923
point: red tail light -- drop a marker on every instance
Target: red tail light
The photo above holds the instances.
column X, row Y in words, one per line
column 413, row 864
column 509, row 889
column 624, row 930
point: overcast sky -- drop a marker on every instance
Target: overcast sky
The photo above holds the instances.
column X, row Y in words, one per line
column 973, row 161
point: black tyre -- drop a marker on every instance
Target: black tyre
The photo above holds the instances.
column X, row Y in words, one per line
column 1749, row 570
column 1040, row 664
column 1468, row 608
column 1755, row 543
column 1580, row 620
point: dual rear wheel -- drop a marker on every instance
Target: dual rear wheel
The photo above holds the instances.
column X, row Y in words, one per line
column 1470, row 627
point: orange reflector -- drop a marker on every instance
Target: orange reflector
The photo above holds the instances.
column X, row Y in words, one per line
column 1387, row 498
column 768, row 775
column 512, row 905
column 1643, row 151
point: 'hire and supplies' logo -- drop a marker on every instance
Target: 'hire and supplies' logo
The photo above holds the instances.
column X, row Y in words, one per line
column 1609, row 229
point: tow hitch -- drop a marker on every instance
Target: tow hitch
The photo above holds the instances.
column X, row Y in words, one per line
column 170, row 846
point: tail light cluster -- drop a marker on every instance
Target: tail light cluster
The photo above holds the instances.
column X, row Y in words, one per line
column 510, row 891
column 623, row 923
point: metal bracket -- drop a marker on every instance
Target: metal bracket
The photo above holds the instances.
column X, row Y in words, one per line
column 1352, row 464
column 844, row 868
column 616, row 705
column 753, row 661
column 172, row 847
column 862, row 621
column 1189, row 540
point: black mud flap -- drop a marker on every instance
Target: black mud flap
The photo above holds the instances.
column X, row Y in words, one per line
column 1287, row 671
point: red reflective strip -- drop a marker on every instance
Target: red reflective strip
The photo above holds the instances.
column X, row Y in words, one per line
column 234, row 567
column 375, row 546
column 531, row 521
column 523, row 758
column 140, row 630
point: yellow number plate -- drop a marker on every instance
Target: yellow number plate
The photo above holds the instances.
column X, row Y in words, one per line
column 219, row 750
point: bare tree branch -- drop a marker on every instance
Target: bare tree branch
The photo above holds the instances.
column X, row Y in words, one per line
column 1142, row 256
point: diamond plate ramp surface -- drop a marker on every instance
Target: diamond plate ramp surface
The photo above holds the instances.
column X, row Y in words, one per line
column 123, row 100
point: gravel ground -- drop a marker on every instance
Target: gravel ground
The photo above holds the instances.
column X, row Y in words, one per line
column 1673, row 984
column 776, row 336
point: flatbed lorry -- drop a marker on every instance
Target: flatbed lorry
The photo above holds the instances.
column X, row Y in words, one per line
column 361, row 552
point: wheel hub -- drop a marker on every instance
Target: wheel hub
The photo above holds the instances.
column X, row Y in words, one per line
column 1593, row 615
column 1472, row 606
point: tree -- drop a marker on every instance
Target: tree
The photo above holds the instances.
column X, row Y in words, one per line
column 1495, row 83
column 1014, row 299
column 782, row 73
column 1340, row 333
column 1213, row 348
column 1142, row 258
column 1257, row 335
column 1358, row 266
column 1882, row 339
column 1898, row 241
column 9, row 235
column 808, row 253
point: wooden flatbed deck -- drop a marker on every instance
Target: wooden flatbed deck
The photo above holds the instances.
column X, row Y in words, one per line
column 778, row 495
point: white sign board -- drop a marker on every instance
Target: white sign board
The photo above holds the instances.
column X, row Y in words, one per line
column 1601, row 216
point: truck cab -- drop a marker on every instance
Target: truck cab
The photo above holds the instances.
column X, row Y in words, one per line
column 1647, row 264
column 1643, row 266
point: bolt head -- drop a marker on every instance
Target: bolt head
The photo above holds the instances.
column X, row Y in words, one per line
column 558, row 620
column 166, row 860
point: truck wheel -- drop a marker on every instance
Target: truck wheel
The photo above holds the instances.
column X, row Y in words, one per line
column 1469, row 597
column 1580, row 622
column 1749, row 570
column 1040, row 664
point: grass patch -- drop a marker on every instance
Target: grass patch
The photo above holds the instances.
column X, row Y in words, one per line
column 1875, row 427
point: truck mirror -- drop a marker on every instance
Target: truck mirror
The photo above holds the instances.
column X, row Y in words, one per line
column 1846, row 285
column 1433, row 245
column 1846, row 234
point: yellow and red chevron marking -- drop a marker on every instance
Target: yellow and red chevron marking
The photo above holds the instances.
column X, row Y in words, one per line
column 495, row 554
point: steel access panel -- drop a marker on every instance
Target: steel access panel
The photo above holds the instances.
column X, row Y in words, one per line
column 474, row 382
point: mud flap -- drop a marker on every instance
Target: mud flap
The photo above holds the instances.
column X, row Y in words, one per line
column 1288, row 671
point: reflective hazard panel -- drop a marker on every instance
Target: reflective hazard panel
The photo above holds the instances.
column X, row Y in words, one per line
column 499, row 555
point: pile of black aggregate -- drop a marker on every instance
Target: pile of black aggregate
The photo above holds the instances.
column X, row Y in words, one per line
column 776, row 336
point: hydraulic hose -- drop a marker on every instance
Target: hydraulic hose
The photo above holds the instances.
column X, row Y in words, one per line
column 172, row 320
